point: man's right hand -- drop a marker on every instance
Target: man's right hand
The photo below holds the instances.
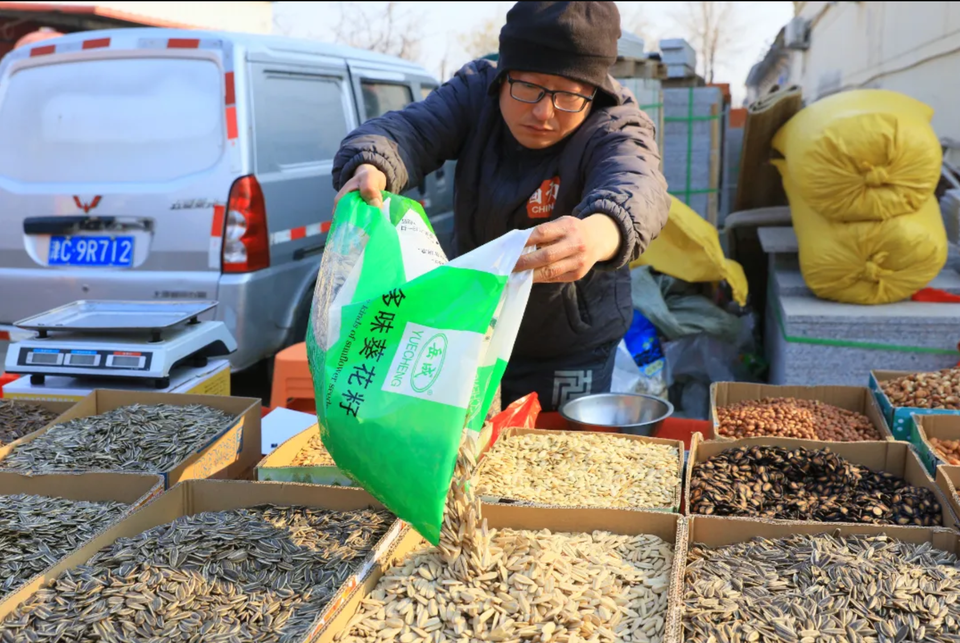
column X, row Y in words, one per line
column 369, row 180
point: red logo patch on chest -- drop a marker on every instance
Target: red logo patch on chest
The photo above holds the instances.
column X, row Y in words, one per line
column 540, row 205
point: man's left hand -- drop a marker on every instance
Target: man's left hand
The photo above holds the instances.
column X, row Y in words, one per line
column 569, row 247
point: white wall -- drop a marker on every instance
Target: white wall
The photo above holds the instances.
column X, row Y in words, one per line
column 910, row 47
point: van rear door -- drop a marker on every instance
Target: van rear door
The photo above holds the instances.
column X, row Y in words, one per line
column 115, row 164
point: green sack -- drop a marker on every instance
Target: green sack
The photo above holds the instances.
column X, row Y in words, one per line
column 407, row 350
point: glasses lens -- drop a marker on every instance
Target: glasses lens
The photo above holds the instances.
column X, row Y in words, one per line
column 525, row 92
column 568, row 102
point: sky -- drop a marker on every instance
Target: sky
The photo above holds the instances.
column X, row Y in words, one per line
column 442, row 25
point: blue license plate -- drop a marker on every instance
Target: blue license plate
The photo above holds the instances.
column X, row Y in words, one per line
column 91, row 251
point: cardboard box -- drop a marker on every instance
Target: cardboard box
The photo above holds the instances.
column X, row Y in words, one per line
column 896, row 458
column 715, row 531
column 900, row 418
column 212, row 379
column 669, row 527
column 612, row 437
column 57, row 407
column 948, row 480
column 942, row 427
column 280, row 424
column 276, row 466
column 197, row 496
column 231, row 452
column 852, row 398
column 133, row 489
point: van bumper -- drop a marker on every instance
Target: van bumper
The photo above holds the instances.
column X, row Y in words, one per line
column 258, row 309
column 246, row 306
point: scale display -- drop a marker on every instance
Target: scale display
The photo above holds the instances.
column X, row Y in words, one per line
column 83, row 359
column 105, row 360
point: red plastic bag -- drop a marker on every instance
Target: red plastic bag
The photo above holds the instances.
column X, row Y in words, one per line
column 935, row 296
column 521, row 414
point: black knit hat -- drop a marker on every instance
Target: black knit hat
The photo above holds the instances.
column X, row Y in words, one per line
column 576, row 40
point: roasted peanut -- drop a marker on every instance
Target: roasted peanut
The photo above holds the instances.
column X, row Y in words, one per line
column 787, row 417
column 948, row 450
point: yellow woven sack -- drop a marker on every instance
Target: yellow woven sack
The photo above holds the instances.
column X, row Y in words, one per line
column 862, row 155
column 688, row 248
column 868, row 262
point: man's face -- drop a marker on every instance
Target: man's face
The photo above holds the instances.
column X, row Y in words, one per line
column 539, row 125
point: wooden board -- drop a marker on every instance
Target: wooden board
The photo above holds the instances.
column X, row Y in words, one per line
column 759, row 185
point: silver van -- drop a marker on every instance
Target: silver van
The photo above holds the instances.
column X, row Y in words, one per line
column 170, row 164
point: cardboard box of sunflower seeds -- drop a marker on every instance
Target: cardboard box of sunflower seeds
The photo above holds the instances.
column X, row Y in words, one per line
column 302, row 458
column 663, row 615
column 40, row 522
column 286, row 571
column 778, row 559
column 200, row 446
column 890, row 458
column 21, row 418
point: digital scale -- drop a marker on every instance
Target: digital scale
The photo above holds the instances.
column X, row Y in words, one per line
column 131, row 340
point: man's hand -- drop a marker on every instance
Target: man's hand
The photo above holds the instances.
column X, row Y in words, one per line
column 569, row 248
column 369, row 180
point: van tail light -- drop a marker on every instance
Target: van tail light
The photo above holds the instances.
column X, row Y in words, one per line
column 246, row 241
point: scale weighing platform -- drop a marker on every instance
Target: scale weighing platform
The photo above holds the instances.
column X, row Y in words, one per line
column 132, row 340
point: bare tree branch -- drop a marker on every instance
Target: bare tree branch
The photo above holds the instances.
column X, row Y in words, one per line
column 395, row 31
column 445, row 61
column 483, row 40
column 637, row 22
column 713, row 29
column 278, row 27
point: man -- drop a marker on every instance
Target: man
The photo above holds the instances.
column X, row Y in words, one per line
column 545, row 138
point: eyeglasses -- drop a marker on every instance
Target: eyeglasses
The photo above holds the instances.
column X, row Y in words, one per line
column 564, row 101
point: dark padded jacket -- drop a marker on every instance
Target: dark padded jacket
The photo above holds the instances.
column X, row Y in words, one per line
column 610, row 165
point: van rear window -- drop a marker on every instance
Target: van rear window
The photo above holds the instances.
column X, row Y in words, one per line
column 128, row 120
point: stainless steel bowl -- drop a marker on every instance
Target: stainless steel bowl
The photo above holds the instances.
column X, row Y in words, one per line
column 617, row 413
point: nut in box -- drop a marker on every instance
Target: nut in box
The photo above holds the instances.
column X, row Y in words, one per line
column 948, row 481
column 903, row 394
column 800, row 480
column 938, row 438
column 580, row 468
column 830, row 413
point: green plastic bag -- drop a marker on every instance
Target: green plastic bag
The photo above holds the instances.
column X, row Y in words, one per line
column 407, row 350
